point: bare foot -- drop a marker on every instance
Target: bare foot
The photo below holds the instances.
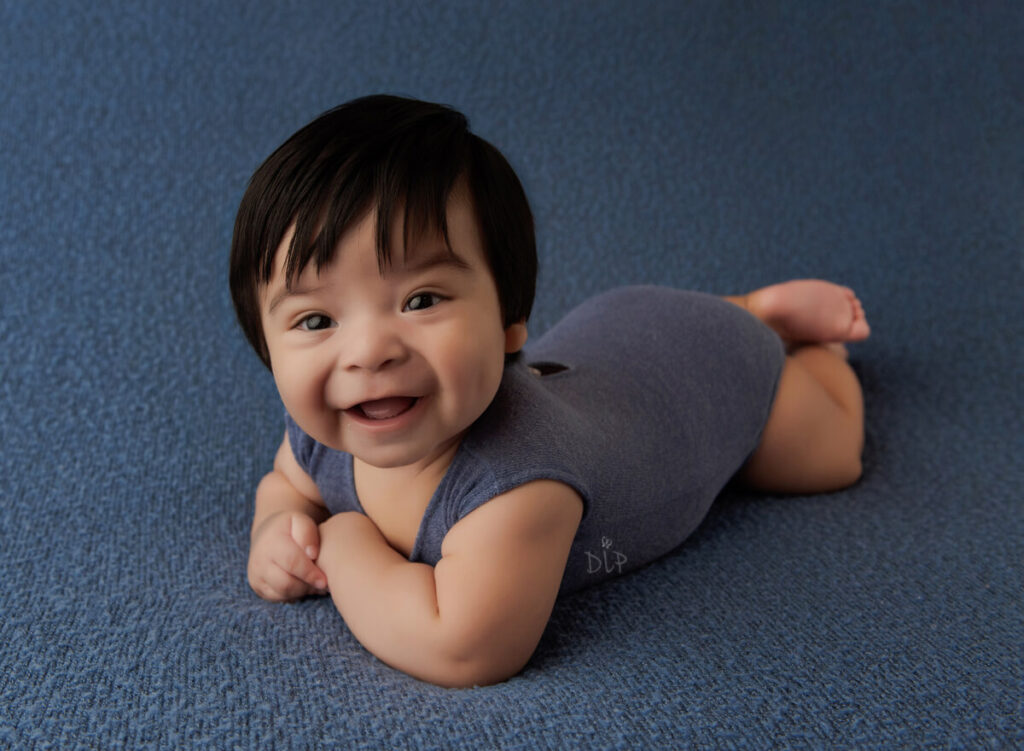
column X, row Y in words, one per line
column 810, row 311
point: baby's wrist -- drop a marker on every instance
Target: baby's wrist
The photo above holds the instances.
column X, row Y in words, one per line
column 346, row 532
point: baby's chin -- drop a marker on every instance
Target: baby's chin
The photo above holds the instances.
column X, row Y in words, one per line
column 406, row 456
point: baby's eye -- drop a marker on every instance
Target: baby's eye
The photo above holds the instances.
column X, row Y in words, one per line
column 315, row 322
column 422, row 301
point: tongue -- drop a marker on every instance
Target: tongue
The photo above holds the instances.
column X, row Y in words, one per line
column 382, row 409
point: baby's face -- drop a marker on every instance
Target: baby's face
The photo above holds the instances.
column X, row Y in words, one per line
column 391, row 368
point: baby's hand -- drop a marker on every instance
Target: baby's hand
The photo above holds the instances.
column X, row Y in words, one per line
column 282, row 555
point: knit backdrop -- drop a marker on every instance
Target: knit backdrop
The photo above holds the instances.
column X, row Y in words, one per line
column 708, row 145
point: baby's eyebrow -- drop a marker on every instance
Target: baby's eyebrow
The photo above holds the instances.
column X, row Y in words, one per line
column 419, row 262
column 287, row 292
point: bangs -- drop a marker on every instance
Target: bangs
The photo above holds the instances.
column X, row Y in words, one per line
column 408, row 178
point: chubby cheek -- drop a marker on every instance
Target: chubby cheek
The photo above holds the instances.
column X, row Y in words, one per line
column 301, row 392
column 287, row 391
column 474, row 374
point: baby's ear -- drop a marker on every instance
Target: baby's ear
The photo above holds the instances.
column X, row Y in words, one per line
column 515, row 337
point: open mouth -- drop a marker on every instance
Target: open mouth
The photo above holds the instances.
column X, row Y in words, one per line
column 385, row 409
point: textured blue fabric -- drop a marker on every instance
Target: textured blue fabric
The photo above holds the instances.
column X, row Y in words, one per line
column 659, row 397
column 705, row 145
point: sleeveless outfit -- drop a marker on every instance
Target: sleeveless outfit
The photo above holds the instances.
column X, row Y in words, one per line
column 649, row 400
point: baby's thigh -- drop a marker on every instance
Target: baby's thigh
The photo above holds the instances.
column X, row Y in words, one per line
column 814, row 436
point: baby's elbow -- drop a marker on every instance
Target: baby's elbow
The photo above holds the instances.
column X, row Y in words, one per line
column 853, row 467
column 481, row 671
column 846, row 473
column 475, row 659
column 856, row 470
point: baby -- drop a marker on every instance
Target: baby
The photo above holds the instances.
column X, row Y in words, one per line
column 443, row 485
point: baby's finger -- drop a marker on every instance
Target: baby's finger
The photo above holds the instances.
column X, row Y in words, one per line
column 306, row 535
column 278, row 585
column 273, row 587
column 298, row 565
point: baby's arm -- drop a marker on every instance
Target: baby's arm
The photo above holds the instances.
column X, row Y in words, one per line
column 285, row 538
column 477, row 616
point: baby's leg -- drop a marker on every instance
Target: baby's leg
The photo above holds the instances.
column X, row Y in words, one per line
column 808, row 311
column 815, row 433
column 814, row 437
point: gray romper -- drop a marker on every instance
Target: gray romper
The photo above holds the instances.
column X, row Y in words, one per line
column 648, row 401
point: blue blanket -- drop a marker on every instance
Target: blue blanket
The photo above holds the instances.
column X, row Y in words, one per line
column 707, row 145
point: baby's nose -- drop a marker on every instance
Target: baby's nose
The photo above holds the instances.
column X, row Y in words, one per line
column 373, row 347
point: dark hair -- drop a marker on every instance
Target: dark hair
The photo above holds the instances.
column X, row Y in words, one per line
column 386, row 153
